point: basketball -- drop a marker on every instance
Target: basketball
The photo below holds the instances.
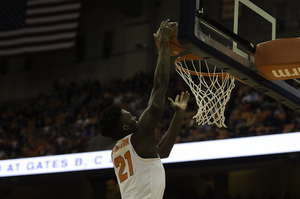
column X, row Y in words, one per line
column 175, row 47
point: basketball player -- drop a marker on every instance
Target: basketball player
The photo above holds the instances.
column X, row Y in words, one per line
column 136, row 156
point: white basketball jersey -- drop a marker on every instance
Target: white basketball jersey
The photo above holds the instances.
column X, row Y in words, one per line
column 137, row 177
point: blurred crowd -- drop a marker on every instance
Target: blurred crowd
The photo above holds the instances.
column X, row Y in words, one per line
column 64, row 118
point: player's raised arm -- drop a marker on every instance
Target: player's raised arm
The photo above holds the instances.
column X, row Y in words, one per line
column 179, row 105
column 144, row 139
column 162, row 71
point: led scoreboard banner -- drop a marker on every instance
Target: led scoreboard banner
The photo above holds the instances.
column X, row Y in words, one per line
column 184, row 152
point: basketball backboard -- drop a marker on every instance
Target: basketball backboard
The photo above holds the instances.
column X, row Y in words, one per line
column 226, row 32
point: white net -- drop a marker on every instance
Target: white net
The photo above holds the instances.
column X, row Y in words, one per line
column 211, row 89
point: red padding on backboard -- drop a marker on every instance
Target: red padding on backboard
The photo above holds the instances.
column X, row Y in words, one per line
column 278, row 59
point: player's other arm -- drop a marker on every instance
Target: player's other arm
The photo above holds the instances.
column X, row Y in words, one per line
column 166, row 144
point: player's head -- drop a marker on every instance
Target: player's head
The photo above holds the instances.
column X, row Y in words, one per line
column 116, row 123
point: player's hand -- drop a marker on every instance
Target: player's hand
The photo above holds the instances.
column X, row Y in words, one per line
column 165, row 30
column 180, row 102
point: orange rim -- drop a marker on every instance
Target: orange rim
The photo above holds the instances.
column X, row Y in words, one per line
column 195, row 57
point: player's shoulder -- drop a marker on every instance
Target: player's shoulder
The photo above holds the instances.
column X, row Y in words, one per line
column 144, row 146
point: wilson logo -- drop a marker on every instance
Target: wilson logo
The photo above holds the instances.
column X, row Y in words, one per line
column 286, row 72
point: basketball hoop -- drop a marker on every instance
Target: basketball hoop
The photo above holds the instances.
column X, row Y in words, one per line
column 210, row 86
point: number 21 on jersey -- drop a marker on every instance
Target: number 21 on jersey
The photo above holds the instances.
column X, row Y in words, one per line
column 120, row 162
